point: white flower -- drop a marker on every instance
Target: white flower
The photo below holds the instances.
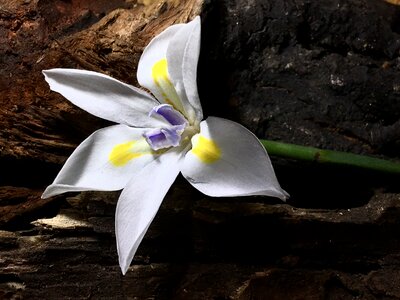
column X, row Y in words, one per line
column 157, row 138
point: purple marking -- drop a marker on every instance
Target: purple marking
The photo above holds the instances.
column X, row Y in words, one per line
column 164, row 137
column 173, row 135
column 169, row 113
column 170, row 136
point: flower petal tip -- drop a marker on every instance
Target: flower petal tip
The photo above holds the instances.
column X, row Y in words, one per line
column 48, row 72
column 285, row 195
column 124, row 258
column 46, row 75
column 275, row 192
column 54, row 190
column 47, row 193
column 124, row 268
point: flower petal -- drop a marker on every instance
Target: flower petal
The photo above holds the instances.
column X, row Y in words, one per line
column 104, row 97
column 182, row 56
column 140, row 201
column 228, row 160
column 105, row 161
column 152, row 70
column 168, row 68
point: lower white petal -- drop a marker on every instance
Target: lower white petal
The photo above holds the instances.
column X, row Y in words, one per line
column 105, row 161
column 228, row 160
column 140, row 201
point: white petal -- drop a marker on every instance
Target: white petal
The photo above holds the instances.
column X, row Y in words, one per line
column 182, row 56
column 168, row 67
column 105, row 161
column 228, row 160
column 140, row 201
column 155, row 52
column 104, row 97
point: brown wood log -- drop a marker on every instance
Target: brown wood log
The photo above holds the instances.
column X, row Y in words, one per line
column 40, row 128
column 320, row 73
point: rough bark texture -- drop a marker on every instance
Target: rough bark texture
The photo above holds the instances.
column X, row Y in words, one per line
column 321, row 73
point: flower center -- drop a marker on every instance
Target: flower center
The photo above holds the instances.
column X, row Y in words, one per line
column 170, row 136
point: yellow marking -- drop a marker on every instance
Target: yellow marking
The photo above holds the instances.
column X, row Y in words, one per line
column 160, row 72
column 205, row 149
column 160, row 75
column 121, row 154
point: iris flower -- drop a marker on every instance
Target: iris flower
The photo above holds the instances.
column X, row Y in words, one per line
column 157, row 137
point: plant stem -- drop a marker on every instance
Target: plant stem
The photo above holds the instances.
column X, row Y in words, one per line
column 330, row 157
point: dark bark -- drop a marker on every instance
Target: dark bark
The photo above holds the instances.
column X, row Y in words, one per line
column 320, row 73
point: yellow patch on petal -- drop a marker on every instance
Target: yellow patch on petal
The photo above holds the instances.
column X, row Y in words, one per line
column 160, row 75
column 205, row 149
column 123, row 153
column 160, row 72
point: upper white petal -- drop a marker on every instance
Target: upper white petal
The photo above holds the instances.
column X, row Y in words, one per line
column 179, row 46
column 90, row 168
column 182, row 56
column 153, row 53
column 140, row 201
column 104, row 97
column 238, row 164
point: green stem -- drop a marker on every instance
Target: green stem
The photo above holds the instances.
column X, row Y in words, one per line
column 329, row 156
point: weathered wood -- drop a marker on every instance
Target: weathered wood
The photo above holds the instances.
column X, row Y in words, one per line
column 39, row 124
column 320, row 73
column 40, row 128
column 208, row 248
